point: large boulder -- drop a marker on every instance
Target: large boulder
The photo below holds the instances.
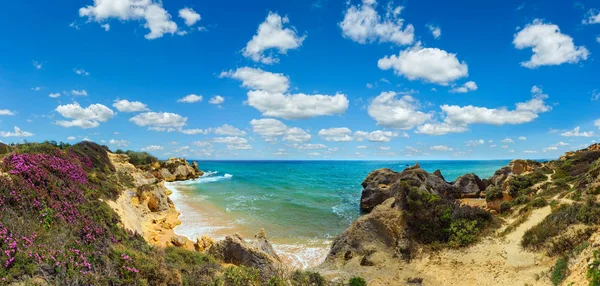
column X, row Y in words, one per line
column 383, row 184
column 379, row 234
column 154, row 197
column 523, row 166
column 176, row 169
column 236, row 250
column 469, row 186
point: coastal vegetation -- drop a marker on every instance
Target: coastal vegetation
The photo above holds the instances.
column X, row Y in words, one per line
column 62, row 222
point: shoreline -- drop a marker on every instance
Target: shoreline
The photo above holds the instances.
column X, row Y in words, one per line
column 200, row 217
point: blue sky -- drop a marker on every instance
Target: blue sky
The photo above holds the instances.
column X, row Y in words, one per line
column 318, row 79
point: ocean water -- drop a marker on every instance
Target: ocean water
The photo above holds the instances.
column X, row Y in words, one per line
column 302, row 205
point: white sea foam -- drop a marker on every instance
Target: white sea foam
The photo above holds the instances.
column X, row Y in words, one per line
column 209, row 173
column 303, row 256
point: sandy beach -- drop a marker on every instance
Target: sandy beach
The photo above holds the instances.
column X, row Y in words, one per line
column 200, row 217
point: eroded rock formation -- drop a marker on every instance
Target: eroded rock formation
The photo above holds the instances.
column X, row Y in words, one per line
column 236, row 250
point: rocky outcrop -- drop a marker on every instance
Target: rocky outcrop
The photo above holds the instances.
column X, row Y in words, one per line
column 154, row 197
column 383, row 184
column 236, row 250
column 146, row 208
column 469, row 186
column 519, row 167
column 203, row 243
column 372, row 239
column 176, row 169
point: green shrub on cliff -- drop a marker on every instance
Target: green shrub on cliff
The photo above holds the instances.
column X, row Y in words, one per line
column 301, row 278
column 357, row 281
column 593, row 273
column 559, row 271
column 493, row 193
column 564, row 216
column 432, row 219
column 138, row 158
column 241, row 276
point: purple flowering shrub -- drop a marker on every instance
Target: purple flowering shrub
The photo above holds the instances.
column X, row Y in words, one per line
column 53, row 225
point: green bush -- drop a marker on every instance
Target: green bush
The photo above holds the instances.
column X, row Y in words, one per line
column 594, row 191
column 241, row 276
column 522, row 199
column 504, row 207
column 493, row 193
column 564, row 216
column 539, row 203
column 4, row 149
column 141, row 158
column 521, row 185
column 559, row 271
column 463, row 232
column 593, row 273
column 432, row 219
column 357, row 281
column 302, row 278
column 275, row 281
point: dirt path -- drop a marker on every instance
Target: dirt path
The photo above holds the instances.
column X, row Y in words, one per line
column 494, row 261
column 515, row 255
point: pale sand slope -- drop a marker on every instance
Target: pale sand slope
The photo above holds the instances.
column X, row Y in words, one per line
column 493, row 261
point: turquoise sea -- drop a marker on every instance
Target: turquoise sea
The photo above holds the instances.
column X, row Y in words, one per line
column 302, row 205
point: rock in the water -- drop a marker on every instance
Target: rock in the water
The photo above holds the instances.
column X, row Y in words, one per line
column 469, row 185
column 235, row 250
column 176, row 169
column 383, row 184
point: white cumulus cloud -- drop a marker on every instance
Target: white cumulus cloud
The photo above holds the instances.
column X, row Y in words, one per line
column 124, row 105
column 151, row 148
column 549, row 45
column 402, row 113
column 441, row 148
column 227, row 129
column 6, row 112
column 297, row 106
column 435, row 31
column 257, row 79
column 151, row 12
column 269, row 95
column 190, row 98
column 271, row 35
column 80, row 71
column 17, row 132
column 159, row 120
column 89, row 117
column 82, row 92
column 427, row 64
column 118, row 143
column 375, row 136
column 363, row 24
column 272, row 129
column 468, row 86
column 576, row 133
column 341, row 134
column 458, row 118
column 593, row 17
column 217, row 99
column 189, row 16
